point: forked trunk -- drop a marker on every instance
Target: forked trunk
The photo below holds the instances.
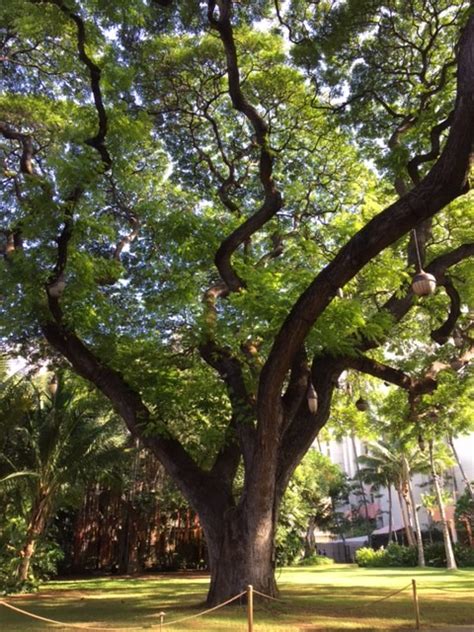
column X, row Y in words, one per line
column 241, row 552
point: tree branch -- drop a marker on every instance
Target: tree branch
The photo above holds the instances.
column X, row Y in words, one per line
column 442, row 334
column 98, row 140
column 130, row 407
column 273, row 200
column 26, row 142
column 446, row 180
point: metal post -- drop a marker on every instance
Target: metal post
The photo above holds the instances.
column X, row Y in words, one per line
column 416, row 604
column 250, row 607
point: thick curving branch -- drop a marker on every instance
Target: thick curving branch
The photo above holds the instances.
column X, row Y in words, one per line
column 98, row 140
column 273, row 199
column 130, row 407
column 435, row 138
column 301, row 430
column 442, row 334
column 27, row 149
column 447, row 180
column 229, row 368
column 380, row 370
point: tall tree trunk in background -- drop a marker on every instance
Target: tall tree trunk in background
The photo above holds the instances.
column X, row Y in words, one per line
column 390, row 513
column 406, row 519
column 465, row 480
column 361, row 484
column 38, row 519
column 410, row 500
column 309, row 540
column 448, row 547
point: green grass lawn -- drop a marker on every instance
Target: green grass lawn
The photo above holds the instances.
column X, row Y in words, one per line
column 321, row 598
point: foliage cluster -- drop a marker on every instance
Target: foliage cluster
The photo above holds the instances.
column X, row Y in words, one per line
column 308, row 498
column 48, row 555
column 393, row 555
column 316, row 560
column 396, row 555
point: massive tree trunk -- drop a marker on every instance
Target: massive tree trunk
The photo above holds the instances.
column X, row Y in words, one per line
column 241, row 552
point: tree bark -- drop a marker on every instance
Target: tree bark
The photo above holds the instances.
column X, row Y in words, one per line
column 37, row 524
column 448, row 547
column 241, row 552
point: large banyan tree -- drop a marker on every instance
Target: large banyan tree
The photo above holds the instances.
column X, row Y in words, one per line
column 206, row 212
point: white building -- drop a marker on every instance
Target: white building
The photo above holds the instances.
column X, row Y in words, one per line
column 345, row 452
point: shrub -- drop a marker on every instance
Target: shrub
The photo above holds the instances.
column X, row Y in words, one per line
column 394, row 555
column 464, row 555
column 315, row 560
column 435, row 554
column 366, row 556
column 397, row 555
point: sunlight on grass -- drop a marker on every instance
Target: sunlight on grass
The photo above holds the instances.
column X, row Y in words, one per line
column 312, row 599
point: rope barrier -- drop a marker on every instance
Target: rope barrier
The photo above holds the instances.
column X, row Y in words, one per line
column 374, row 601
column 204, row 612
column 396, row 592
column 201, row 614
column 256, row 592
column 85, row 627
column 62, row 623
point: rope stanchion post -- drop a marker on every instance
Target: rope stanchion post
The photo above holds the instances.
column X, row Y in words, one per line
column 416, row 605
column 250, row 607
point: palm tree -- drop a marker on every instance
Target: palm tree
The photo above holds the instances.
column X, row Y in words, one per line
column 392, row 464
column 448, row 546
column 57, row 446
column 378, row 472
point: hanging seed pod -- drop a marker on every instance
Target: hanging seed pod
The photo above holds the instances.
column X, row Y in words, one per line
column 423, row 283
column 362, row 404
column 53, row 386
column 421, row 442
column 312, row 398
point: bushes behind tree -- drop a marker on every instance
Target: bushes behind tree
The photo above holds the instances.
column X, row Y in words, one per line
column 397, row 555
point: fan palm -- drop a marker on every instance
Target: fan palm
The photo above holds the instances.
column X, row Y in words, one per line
column 391, row 464
column 49, row 452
